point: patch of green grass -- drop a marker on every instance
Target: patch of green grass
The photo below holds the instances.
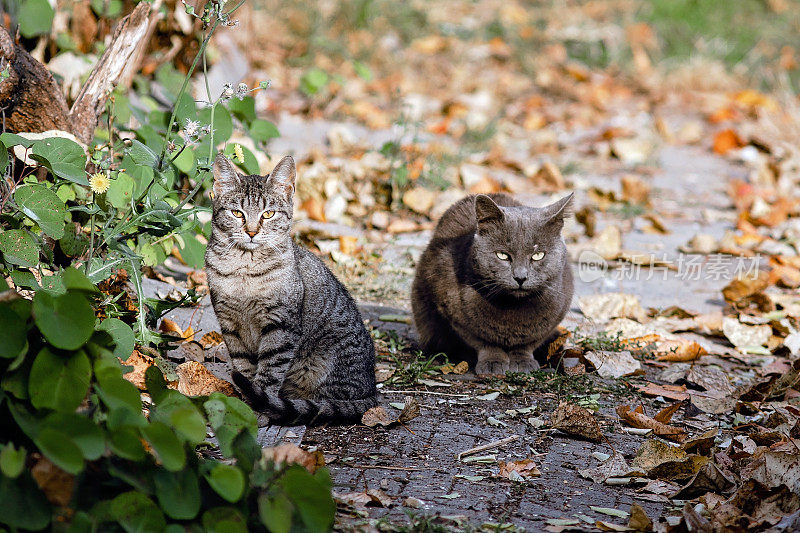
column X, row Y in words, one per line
column 410, row 370
column 601, row 341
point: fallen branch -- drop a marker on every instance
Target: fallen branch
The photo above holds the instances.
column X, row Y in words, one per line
column 487, row 446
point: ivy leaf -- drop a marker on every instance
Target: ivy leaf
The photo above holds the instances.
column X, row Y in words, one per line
column 135, row 512
column 311, row 496
column 224, row 520
column 228, row 417
column 35, row 18
column 63, row 157
column 122, row 335
column 227, row 480
column 12, row 460
column 44, row 207
column 125, row 442
column 178, row 493
column 275, row 512
column 166, row 445
column 60, row 449
column 86, row 434
column 15, row 333
column 19, row 248
column 22, row 504
column 58, row 382
column 66, row 321
column 263, row 130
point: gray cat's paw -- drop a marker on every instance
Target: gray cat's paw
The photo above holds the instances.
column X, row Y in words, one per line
column 523, row 365
column 491, row 368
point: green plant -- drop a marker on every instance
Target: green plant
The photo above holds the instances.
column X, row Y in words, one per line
column 408, row 371
column 600, row 341
column 68, row 415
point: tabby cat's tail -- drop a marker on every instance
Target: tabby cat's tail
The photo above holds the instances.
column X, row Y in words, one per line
column 288, row 411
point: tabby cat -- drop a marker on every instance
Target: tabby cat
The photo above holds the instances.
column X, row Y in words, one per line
column 298, row 346
column 493, row 283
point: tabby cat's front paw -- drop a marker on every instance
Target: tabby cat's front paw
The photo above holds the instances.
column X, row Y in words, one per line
column 491, row 367
column 523, row 365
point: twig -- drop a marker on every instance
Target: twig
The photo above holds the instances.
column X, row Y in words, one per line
column 381, row 467
column 424, row 392
column 487, row 446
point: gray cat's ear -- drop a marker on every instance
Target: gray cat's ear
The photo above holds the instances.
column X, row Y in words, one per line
column 486, row 211
column 225, row 176
column 282, row 177
column 556, row 212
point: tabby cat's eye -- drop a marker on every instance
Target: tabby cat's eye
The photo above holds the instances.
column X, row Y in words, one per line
column 537, row 256
column 268, row 214
column 502, row 256
column 237, row 213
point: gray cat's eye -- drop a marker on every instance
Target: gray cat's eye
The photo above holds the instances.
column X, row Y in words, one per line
column 237, row 213
column 502, row 256
column 537, row 256
column 268, row 214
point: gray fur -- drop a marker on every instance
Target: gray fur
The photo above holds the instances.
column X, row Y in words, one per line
column 298, row 346
column 471, row 304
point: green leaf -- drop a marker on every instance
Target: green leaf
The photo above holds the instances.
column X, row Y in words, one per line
column 224, row 520
column 83, row 432
column 122, row 334
column 244, row 109
column 193, row 251
column 223, row 125
column 60, row 449
column 107, row 8
column 114, row 391
column 155, row 383
column 59, row 382
column 125, row 442
column 12, row 139
column 263, row 130
column 185, row 162
column 19, row 248
column 75, row 280
column 250, row 165
column 311, row 496
column 166, row 445
column 64, row 158
column 142, row 154
column 313, row 81
column 66, row 321
column 186, row 108
column 22, row 504
column 15, row 333
column 137, row 513
column 178, row 493
column 275, row 512
column 35, row 18
column 228, row 417
column 120, row 192
column 3, row 158
column 12, row 460
column 227, row 480
column 44, row 207
column 74, row 243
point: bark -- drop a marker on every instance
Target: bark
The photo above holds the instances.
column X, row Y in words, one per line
column 33, row 101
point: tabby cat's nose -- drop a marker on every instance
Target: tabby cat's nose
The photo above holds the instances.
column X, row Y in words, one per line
column 251, row 233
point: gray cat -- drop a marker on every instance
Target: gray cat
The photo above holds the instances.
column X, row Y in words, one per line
column 494, row 282
column 298, row 346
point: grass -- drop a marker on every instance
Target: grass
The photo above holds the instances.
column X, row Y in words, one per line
column 600, row 341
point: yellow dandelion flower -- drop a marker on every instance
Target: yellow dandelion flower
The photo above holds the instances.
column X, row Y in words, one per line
column 99, row 183
column 239, row 153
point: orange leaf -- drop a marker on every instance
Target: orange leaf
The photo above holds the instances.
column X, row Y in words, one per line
column 727, row 140
column 640, row 420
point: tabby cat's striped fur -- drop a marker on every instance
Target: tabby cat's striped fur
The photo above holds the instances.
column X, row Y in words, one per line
column 297, row 343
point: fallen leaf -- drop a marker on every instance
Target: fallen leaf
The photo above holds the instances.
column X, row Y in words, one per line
column 169, row 327
column 575, row 420
column 194, row 379
column 614, row 466
column 727, row 140
column 518, row 470
column 56, row 484
column 140, row 363
column 666, row 414
column 662, row 461
column 368, row 498
column 634, row 189
column 377, row 416
column 638, row 419
column 383, row 372
column 613, row 364
column 639, row 521
column 678, row 350
column 410, row 410
column 291, row 454
column 603, row 307
column 673, row 392
column 743, row 336
column 211, row 339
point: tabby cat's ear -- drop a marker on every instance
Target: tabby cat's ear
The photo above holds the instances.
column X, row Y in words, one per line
column 556, row 212
column 282, row 177
column 225, row 176
column 486, row 211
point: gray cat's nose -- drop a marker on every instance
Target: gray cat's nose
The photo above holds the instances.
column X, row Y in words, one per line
column 520, row 281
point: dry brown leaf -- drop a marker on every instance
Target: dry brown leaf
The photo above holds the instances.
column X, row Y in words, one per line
column 514, row 470
column 574, row 420
column 727, row 140
column 194, row 379
column 549, row 178
column 638, row 419
column 666, row 414
column 635, row 190
column 673, row 392
column 169, row 327
column 140, row 363
column 377, row 416
column 291, row 454
column 679, row 350
column 603, row 307
column 639, row 521
column 613, row 364
column 368, row 498
column 314, row 208
column 449, row 368
column 211, row 339
column 56, row 484
column 383, row 372
column 410, row 411
column 744, row 287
